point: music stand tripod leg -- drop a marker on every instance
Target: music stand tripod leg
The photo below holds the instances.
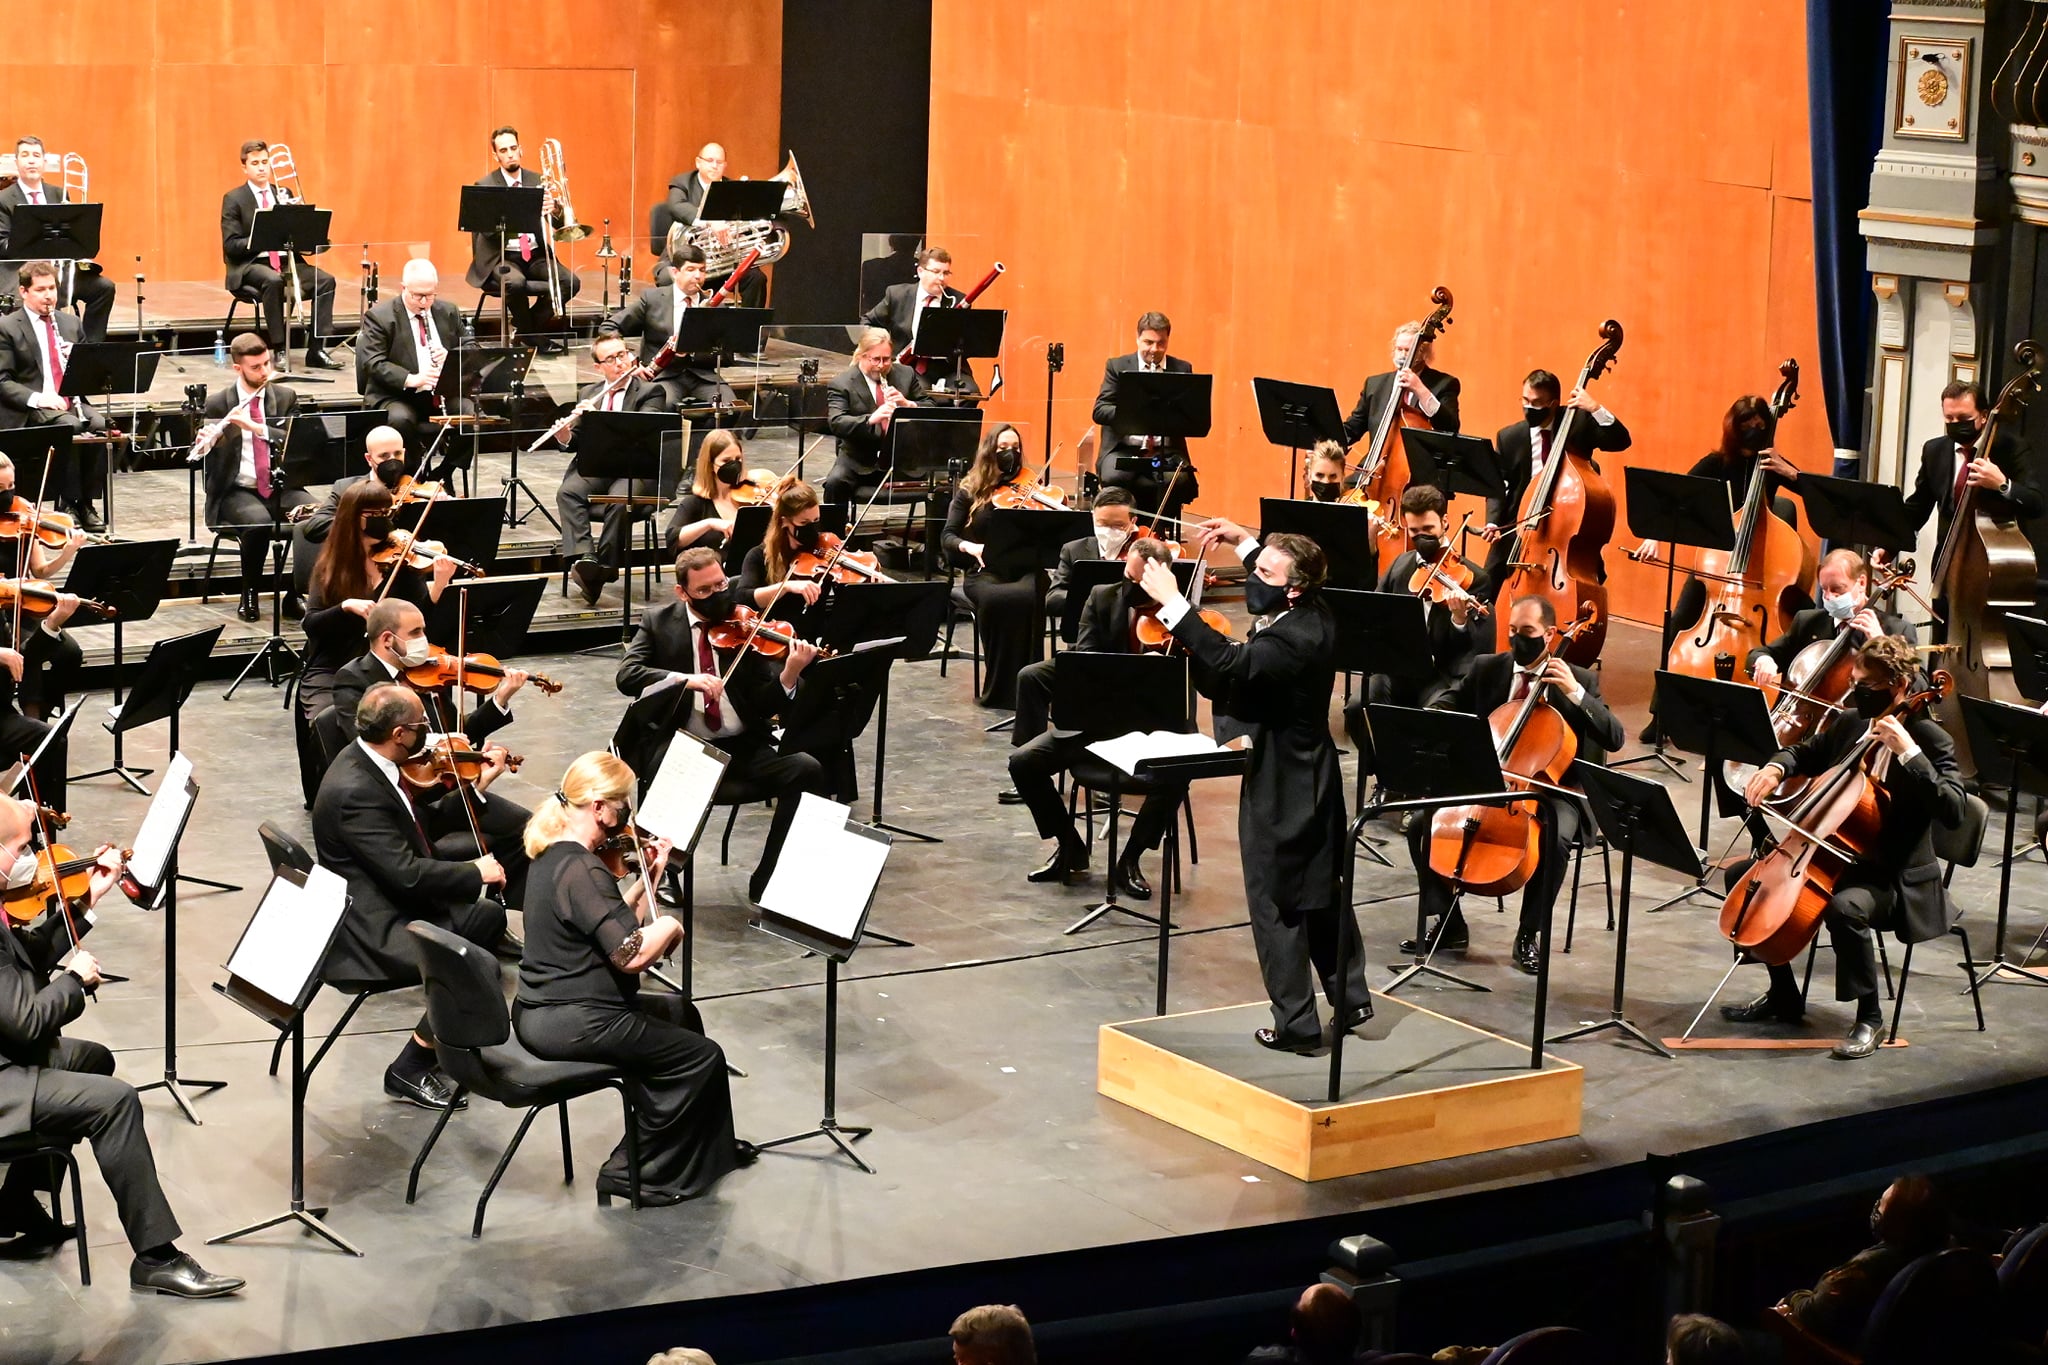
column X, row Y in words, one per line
column 841, row 1135
column 309, row 1220
column 882, row 767
column 1422, row 964
column 1111, row 904
column 1617, row 1016
column 1657, row 755
column 1999, row 968
column 275, row 645
column 131, row 775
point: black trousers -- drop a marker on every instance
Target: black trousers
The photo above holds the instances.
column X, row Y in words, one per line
column 1293, row 939
column 503, row 823
column 572, row 502
column 1009, row 630
column 682, row 1100
column 1559, row 823
column 524, row 282
column 274, row 296
column 785, row 777
column 1034, row 770
column 1034, row 702
column 258, row 520
column 847, row 481
column 1858, row 910
column 78, row 1097
column 19, row 736
column 48, row 677
column 1383, row 689
column 95, row 295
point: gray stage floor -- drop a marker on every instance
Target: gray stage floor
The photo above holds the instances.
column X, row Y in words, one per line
column 972, row 1054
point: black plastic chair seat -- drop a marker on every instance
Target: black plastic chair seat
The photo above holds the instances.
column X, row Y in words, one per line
column 511, row 1075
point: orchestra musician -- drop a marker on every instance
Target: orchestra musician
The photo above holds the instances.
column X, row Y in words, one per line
column 400, row 351
column 1527, row 446
column 1495, row 680
column 859, row 403
column 1844, row 586
column 579, row 996
column 51, row 669
column 795, row 526
column 518, row 271
column 1456, row 625
column 384, row 458
column 686, row 199
column 242, row 449
column 1325, row 469
column 35, row 342
column 1145, row 465
column 264, row 272
column 64, row 1089
column 2002, row 475
column 1275, row 687
column 718, row 697
column 902, row 308
column 370, row 827
column 91, row 290
column 704, row 513
column 1009, row 604
column 1428, row 390
column 1042, row 754
column 1115, row 518
column 1898, row 885
column 572, row 499
column 34, row 670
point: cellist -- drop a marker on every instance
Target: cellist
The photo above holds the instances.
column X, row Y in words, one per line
column 1899, row 888
column 1527, row 446
column 1845, row 605
column 2002, row 475
column 1494, row 681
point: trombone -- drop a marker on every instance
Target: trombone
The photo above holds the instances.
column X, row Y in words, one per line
column 555, row 180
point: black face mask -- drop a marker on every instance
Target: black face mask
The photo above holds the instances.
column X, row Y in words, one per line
column 1428, row 547
column 389, row 472
column 1262, row 598
column 1753, row 439
column 1872, row 702
column 1537, row 417
column 1527, row 649
column 730, row 473
column 806, row 535
column 1008, row 462
column 1962, row 431
column 1326, row 490
column 419, row 741
column 377, row 528
column 718, row 606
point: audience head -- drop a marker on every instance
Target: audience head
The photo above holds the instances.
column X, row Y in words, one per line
column 1325, row 1325
column 1909, row 1215
column 993, row 1334
column 1696, row 1339
column 682, row 1355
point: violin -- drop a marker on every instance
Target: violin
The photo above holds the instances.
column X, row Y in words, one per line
column 1384, row 474
column 832, row 562
column 1446, row 579
column 410, row 489
column 62, row 874
column 747, row 628
column 452, row 761
column 749, row 493
column 36, row 597
column 52, row 530
column 1026, row 494
column 475, row 672
column 403, row 548
column 1492, row 850
column 620, row 854
column 1775, row 907
column 1149, row 636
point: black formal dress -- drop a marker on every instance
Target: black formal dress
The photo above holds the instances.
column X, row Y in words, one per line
column 519, row 272
column 1492, row 681
column 1275, row 687
column 25, row 344
column 685, row 200
column 899, row 311
column 575, row 1005
column 572, row 499
column 1452, row 648
column 335, row 636
column 90, row 289
column 389, row 353
column 1372, row 401
column 1009, row 607
column 689, row 510
column 235, row 497
column 264, row 272
column 1144, row 465
column 58, row 1087
column 850, row 400
column 1524, row 454
column 1935, row 486
column 51, row 660
column 310, row 533
column 1814, row 625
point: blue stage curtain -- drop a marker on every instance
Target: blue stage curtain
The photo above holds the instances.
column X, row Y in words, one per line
column 1845, row 76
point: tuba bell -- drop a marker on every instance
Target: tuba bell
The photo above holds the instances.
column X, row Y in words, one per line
column 557, row 182
column 794, row 200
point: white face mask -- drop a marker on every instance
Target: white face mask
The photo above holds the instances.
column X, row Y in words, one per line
column 1840, row 606
column 23, row 871
column 416, row 651
column 1110, row 540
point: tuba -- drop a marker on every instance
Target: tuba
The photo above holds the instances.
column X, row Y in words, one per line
column 766, row 237
column 557, row 183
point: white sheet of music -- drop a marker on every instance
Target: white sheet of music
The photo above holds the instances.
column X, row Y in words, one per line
column 827, row 873
column 157, row 840
column 1126, row 752
column 281, row 949
column 679, row 798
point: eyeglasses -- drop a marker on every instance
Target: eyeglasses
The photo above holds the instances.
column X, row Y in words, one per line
column 609, row 357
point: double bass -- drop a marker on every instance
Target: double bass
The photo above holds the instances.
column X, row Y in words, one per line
column 1566, row 518
column 1383, row 475
column 1755, row 589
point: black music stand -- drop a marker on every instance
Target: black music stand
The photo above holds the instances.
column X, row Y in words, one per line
column 1380, row 632
column 961, row 335
column 169, row 673
column 470, row 371
column 1344, row 533
column 316, row 457
column 926, row 442
column 2019, row 735
column 1184, row 769
column 721, row 332
column 1721, row 721
column 1020, row 540
column 128, row 576
column 290, row 229
column 467, row 526
column 1675, row 509
column 502, row 212
column 1089, row 574
column 155, row 868
column 1855, row 512
column 624, row 445
column 101, row 369
column 1164, row 403
column 1636, row 816
column 34, row 450
column 1293, row 417
column 1454, row 463
column 54, row 232
column 750, row 528
column 499, row 613
column 742, row 201
column 911, row 614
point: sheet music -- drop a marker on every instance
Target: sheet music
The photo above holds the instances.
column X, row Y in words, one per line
column 679, row 798
column 157, row 841
column 827, row 873
column 1126, row 752
column 281, row 949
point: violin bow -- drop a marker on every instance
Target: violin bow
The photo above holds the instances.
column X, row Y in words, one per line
column 384, row 588
column 463, row 791
column 35, row 800
column 461, row 654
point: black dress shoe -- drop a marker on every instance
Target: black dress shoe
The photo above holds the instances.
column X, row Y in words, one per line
column 589, row 576
column 1447, row 935
column 1130, row 879
column 320, row 360
column 89, row 519
column 1267, row 1038
column 247, row 608
column 1009, row 796
column 294, row 607
column 181, row 1276
column 1356, row 1018
column 1527, row 952
column 35, row 1231
column 429, row 1090
column 1061, row 867
column 1861, row 1042
column 551, row 346
column 1766, row 1008
column 1648, row 734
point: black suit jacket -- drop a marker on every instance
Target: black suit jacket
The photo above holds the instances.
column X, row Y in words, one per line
column 22, row 342
column 1072, row 553
column 642, row 395
column 1113, row 370
column 685, row 200
column 1452, row 647
column 1587, row 438
column 1935, row 484
column 1106, row 619
column 651, row 316
column 320, row 520
column 1490, row 682
column 1927, row 788
column 364, row 833
column 367, row 670
column 237, row 221
column 484, row 256
column 222, row 465
column 1372, row 401
column 663, row 645
column 1813, row 625
column 388, row 352
column 897, row 311
column 849, row 402
column 11, row 199
column 36, row 1001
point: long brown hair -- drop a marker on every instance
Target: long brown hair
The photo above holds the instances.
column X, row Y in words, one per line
column 1750, row 407
column 793, row 497
column 343, row 571
column 983, row 478
column 705, row 482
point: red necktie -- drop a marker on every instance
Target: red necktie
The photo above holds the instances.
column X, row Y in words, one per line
column 260, row 444
column 425, row 345
column 35, row 196
column 56, row 357
column 276, row 258
column 1521, row 692
column 1964, row 455
column 708, row 663
column 412, row 803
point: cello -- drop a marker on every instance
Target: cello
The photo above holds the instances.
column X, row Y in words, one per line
column 1755, row 589
column 1383, row 474
column 1985, row 567
column 1566, row 518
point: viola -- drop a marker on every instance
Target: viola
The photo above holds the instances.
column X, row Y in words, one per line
column 36, row 597
column 832, row 562
column 473, row 672
column 1446, row 579
column 1492, row 850
column 1026, row 494
column 404, row 548
column 748, row 629
column 1384, row 474
column 749, row 493
column 52, row 530
column 1565, row 520
column 61, row 874
column 452, row 760
column 1775, row 907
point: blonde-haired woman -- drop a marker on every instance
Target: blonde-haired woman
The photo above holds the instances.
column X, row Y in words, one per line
column 579, row 994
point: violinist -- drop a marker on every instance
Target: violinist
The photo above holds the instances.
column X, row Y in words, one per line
column 1115, row 518
column 1145, row 465
column 1493, row 681
column 860, row 401
column 1845, row 605
column 1325, row 468
column 721, row 697
column 1274, row 686
column 579, row 996
column 720, row 487
column 242, row 447
column 1456, row 623
column 1009, row 607
column 654, row 315
column 371, row 828
column 1527, row 446
column 64, row 1088
column 30, row 668
column 384, row 461
column 1899, row 886
column 2002, row 475
column 572, row 500
column 1428, row 390
column 795, row 527
column 51, row 667
column 1042, row 754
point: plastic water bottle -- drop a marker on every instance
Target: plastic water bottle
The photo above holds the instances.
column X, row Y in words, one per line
column 220, row 349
